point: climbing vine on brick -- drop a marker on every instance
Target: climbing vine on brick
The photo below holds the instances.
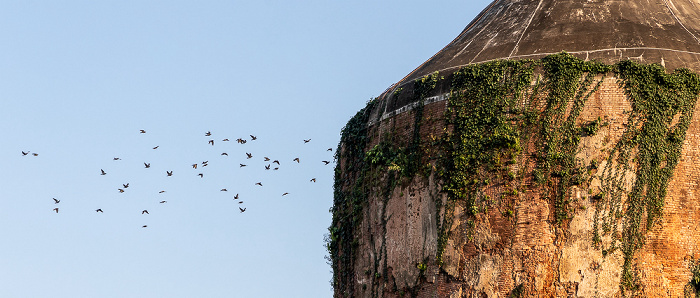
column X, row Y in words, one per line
column 499, row 116
column 649, row 149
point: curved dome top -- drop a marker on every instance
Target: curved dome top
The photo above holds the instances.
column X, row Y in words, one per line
column 649, row 31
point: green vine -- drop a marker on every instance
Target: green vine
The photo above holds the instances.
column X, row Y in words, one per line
column 650, row 148
column 495, row 112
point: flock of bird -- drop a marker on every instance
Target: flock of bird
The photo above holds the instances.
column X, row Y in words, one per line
column 270, row 162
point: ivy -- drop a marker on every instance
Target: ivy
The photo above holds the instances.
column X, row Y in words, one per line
column 495, row 112
column 650, row 148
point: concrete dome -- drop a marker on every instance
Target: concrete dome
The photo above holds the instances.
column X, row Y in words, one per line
column 666, row 32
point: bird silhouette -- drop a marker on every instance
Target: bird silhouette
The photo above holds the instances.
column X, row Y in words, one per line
column 250, row 155
column 313, row 180
column 205, row 163
column 156, row 147
column 144, row 212
column 126, row 185
column 242, row 165
column 99, row 210
column 267, row 158
column 242, row 209
column 103, row 172
column 306, row 141
column 211, row 142
column 170, row 173
column 144, row 226
column 330, row 149
column 194, row 165
column 235, row 197
column 276, row 161
column 55, row 209
column 25, row 153
column 240, row 202
column 296, row 159
column 35, row 154
column 258, row 183
column 201, row 175
column 224, row 140
column 120, row 190
column 117, row 158
column 253, row 138
column 142, row 131
column 284, row 194
column 56, row 201
column 275, row 169
column 224, row 153
column 147, row 165
column 162, row 202
column 207, row 134
column 223, row 189
column 162, row 191
column 267, row 167
column 326, row 162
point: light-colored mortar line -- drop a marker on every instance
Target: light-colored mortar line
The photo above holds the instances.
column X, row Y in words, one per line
column 397, row 85
column 679, row 21
column 515, row 48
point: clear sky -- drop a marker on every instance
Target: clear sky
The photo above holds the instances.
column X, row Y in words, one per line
column 79, row 79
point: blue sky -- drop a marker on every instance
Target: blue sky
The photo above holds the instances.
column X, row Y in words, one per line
column 79, row 79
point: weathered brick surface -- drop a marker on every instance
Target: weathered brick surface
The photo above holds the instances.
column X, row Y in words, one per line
column 491, row 254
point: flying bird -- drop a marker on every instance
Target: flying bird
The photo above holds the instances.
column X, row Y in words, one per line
column 99, row 210
column 120, row 190
column 170, row 173
column 224, row 140
column 147, row 165
column 156, row 147
column 235, row 197
column 35, row 154
column 103, row 172
column 56, row 201
column 224, row 153
column 296, row 159
column 126, row 185
column 55, row 209
column 223, row 189
column 258, row 183
column 201, row 175
column 25, row 153
column 253, row 138
column 163, row 202
column 242, row 209
column 207, row 134
column 326, row 162
column 267, row 167
column 145, row 211
column 211, row 142
column 267, row 158
column 276, row 161
column 284, row 194
column 313, row 180
column 250, row 155
column 330, row 149
column 194, row 165
column 162, row 191
column 205, row 163
column 144, row 226
column 275, row 169
column 240, row 202
column 142, row 131
column 242, row 165
column 117, row 158
column 306, row 141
